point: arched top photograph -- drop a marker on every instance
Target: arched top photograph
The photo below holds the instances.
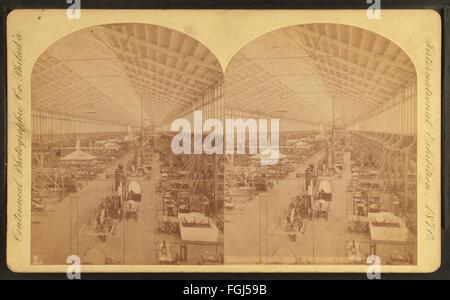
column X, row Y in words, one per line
column 230, row 141
column 306, row 68
column 105, row 72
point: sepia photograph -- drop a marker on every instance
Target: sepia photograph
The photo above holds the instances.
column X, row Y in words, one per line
column 106, row 185
column 344, row 186
column 213, row 141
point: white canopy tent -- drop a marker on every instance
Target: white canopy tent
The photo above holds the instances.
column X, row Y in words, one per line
column 78, row 156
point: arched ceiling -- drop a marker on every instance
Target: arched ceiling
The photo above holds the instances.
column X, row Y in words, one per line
column 102, row 73
column 294, row 73
column 298, row 72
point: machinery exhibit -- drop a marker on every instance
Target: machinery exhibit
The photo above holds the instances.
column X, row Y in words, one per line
column 314, row 137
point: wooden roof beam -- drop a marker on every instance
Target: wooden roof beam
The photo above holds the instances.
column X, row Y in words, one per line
column 146, row 75
column 385, row 76
column 165, row 51
column 349, row 85
column 172, row 90
column 379, row 58
column 162, row 98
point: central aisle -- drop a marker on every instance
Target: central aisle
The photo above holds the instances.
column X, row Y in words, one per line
column 259, row 214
